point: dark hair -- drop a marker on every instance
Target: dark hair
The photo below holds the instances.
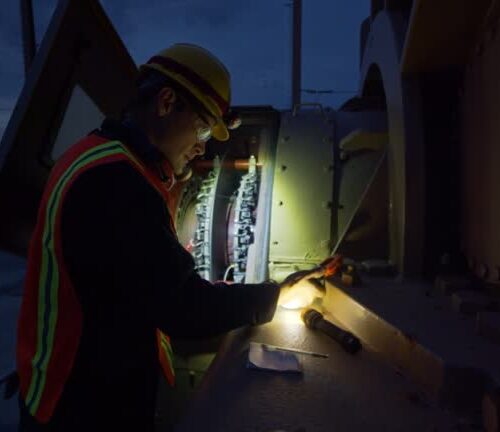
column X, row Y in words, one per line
column 151, row 81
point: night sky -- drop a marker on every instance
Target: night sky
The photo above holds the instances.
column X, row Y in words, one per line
column 253, row 39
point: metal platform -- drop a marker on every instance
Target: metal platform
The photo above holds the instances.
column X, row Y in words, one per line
column 341, row 393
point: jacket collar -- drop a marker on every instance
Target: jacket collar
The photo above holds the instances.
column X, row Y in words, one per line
column 136, row 139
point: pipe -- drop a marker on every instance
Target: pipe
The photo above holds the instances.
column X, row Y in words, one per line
column 297, row 52
column 237, row 164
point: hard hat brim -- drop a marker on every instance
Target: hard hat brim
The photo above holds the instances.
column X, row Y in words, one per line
column 220, row 131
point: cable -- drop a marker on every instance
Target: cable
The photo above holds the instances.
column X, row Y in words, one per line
column 226, row 273
column 313, row 91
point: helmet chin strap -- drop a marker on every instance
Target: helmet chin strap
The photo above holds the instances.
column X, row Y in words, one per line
column 167, row 176
column 185, row 175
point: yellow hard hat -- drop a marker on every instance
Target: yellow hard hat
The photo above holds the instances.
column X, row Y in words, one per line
column 202, row 74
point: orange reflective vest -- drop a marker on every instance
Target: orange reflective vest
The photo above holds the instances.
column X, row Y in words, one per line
column 50, row 321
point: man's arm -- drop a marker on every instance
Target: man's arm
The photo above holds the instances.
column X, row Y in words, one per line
column 117, row 228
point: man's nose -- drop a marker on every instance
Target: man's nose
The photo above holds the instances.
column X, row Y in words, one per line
column 200, row 148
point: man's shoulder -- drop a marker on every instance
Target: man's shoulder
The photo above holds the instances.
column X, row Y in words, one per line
column 105, row 181
column 113, row 180
column 95, row 157
column 112, row 192
column 95, row 144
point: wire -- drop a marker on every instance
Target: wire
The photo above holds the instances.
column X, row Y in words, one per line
column 313, row 91
column 226, row 273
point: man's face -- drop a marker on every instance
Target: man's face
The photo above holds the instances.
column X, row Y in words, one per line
column 178, row 132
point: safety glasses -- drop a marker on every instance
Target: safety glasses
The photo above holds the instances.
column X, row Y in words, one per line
column 204, row 133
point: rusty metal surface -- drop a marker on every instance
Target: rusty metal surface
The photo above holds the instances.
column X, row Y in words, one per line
column 480, row 137
column 341, row 393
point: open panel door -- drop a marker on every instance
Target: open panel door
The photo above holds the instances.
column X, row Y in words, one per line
column 81, row 74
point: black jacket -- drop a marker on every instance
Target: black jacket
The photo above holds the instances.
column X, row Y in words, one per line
column 132, row 276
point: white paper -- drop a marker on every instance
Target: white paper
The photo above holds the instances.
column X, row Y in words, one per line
column 260, row 356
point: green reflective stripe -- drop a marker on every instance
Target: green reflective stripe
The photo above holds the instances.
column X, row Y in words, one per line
column 170, row 355
column 170, row 351
column 40, row 328
column 165, row 341
column 168, row 348
column 49, row 268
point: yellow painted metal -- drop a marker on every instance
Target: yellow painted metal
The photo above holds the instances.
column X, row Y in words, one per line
column 442, row 33
column 360, row 139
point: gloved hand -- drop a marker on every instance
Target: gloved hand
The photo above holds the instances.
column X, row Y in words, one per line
column 301, row 288
column 302, row 292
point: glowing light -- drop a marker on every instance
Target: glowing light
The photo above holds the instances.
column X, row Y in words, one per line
column 293, row 304
column 299, row 295
column 288, row 317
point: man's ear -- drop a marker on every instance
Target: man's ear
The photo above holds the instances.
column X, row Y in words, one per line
column 165, row 101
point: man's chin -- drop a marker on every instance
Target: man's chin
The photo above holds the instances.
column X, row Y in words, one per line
column 180, row 168
column 185, row 174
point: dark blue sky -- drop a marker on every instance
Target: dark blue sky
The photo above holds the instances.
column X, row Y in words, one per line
column 253, row 38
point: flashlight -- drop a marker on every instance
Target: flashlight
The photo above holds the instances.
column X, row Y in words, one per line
column 314, row 320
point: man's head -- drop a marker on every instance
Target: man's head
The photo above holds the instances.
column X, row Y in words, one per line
column 183, row 96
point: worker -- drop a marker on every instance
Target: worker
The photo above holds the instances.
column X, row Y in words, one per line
column 108, row 283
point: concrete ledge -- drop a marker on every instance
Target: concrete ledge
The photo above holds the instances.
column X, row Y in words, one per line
column 420, row 336
column 399, row 348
